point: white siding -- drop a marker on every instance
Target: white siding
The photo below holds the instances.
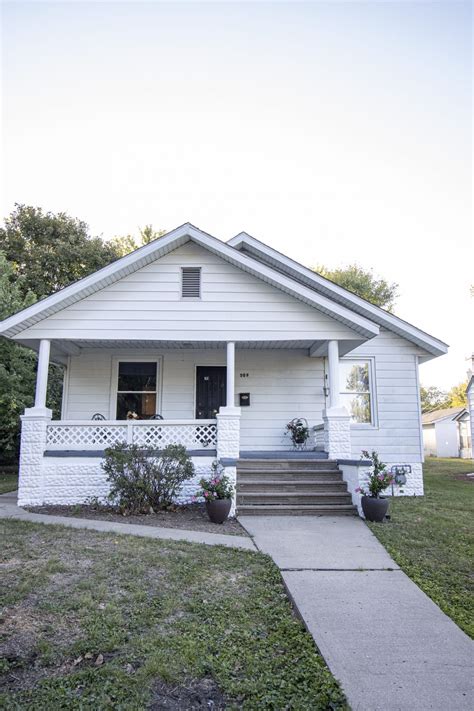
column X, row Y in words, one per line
column 147, row 305
column 282, row 384
column 397, row 435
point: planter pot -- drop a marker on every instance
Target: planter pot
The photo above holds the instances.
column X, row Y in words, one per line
column 374, row 509
column 218, row 510
column 299, row 443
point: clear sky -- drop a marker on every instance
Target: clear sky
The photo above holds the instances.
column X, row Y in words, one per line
column 333, row 131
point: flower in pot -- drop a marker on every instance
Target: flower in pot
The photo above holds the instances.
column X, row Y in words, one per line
column 299, row 432
column 375, row 508
column 217, row 492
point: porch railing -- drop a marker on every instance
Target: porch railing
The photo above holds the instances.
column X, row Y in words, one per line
column 84, row 434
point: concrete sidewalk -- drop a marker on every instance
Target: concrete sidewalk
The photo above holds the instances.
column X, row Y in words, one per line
column 389, row 645
column 9, row 509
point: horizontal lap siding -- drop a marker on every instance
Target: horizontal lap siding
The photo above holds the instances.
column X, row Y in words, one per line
column 147, row 305
column 282, row 385
column 398, row 436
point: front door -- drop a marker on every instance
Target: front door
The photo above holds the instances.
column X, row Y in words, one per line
column 210, row 391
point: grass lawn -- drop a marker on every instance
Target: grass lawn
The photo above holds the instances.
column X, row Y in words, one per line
column 99, row 621
column 432, row 537
column 8, row 480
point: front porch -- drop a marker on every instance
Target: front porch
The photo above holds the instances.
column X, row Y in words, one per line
column 61, row 459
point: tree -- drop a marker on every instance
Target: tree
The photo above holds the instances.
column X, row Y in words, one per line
column 433, row 398
column 128, row 243
column 457, row 395
column 49, row 251
column 16, row 364
column 363, row 283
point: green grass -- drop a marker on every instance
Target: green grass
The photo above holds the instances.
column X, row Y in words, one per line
column 432, row 537
column 8, row 481
column 164, row 615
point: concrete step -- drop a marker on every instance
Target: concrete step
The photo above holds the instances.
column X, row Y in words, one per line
column 299, row 510
column 293, row 464
column 302, row 498
column 289, row 473
column 313, row 485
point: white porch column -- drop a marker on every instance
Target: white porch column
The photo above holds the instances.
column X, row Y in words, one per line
column 34, row 424
column 228, row 425
column 230, row 374
column 42, row 374
column 333, row 373
column 337, row 432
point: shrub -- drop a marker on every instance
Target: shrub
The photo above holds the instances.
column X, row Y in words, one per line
column 140, row 482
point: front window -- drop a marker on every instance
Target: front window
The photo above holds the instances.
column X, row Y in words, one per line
column 355, row 379
column 136, row 390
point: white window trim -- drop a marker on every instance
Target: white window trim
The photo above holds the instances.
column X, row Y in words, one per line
column 135, row 359
column 190, row 266
column 374, row 424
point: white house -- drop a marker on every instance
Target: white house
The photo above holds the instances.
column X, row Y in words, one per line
column 446, row 433
column 227, row 342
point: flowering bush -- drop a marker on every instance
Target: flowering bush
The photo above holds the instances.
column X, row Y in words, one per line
column 217, row 486
column 379, row 479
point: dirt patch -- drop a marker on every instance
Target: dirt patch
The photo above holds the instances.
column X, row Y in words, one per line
column 192, row 517
column 197, row 695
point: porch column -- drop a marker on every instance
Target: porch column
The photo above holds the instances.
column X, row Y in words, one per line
column 333, row 372
column 42, row 374
column 337, row 432
column 34, row 431
column 230, row 374
column 228, row 425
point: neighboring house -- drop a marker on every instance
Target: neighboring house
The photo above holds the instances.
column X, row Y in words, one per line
column 447, row 433
column 470, row 401
column 227, row 342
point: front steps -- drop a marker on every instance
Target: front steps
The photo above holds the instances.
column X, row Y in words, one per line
column 292, row 487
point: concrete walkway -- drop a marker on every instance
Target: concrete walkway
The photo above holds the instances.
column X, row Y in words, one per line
column 9, row 509
column 389, row 645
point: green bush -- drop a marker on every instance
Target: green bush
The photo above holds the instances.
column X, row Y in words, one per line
column 140, row 482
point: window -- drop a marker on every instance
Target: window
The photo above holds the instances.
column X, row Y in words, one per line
column 136, row 389
column 355, row 377
column 191, row 282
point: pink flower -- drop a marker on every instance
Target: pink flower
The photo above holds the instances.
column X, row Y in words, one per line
column 206, row 493
column 358, row 490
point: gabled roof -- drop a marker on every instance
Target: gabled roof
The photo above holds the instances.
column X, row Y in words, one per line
column 17, row 323
column 247, row 244
column 447, row 413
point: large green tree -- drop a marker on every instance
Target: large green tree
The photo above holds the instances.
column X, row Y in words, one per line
column 363, row 283
column 50, row 251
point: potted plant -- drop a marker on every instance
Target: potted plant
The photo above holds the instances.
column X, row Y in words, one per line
column 299, row 432
column 375, row 508
column 217, row 492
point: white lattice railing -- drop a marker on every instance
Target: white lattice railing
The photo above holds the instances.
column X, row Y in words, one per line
column 84, row 434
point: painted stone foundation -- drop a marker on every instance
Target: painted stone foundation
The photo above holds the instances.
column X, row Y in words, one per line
column 73, row 480
column 356, row 475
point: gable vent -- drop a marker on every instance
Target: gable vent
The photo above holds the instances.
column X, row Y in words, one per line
column 191, row 282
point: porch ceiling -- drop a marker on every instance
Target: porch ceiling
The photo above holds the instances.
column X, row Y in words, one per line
column 61, row 349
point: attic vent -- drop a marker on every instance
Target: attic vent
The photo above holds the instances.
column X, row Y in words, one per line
column 191, row 282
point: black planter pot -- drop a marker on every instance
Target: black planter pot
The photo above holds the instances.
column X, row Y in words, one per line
column 218, row 510
column 374, row 509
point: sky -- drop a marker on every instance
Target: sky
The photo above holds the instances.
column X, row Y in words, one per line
column 336, row 132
